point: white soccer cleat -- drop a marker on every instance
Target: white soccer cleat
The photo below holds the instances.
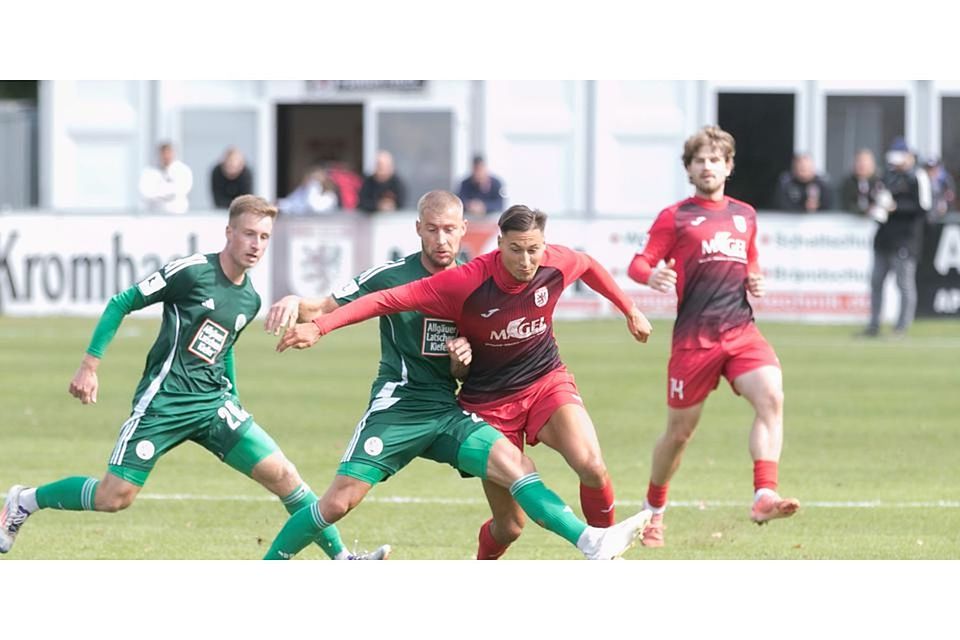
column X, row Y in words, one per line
column 378, row 554
column 613, row 542
column 11, row 518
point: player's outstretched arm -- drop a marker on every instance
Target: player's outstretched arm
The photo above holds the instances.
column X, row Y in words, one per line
column 299, row 336
column 85, row 384
column 292, row 309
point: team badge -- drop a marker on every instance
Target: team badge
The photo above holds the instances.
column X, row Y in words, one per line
column 740, row 223
column 145, row 449
column 373, row 446
column 541, row 296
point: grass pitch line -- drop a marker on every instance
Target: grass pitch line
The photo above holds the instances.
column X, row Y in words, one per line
column 851, row 504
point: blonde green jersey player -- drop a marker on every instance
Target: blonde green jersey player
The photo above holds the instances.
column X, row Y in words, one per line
column 188, row 388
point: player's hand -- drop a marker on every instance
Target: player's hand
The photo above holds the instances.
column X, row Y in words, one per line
column 756, row 285
column 282, row 315
column 299, row 336
column 664, row 278
column 638, row 325
column 85, row 384
column 460, row 351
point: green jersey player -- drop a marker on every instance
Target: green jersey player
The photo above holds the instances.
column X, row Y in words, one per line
column 188, row 390
column 413, row 410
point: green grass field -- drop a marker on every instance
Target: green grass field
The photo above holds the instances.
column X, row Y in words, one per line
column 872, row 446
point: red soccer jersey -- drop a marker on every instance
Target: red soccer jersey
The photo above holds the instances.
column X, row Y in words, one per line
column 509, row 324
column 714, row 245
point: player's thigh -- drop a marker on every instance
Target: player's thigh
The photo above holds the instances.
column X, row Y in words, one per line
column 570, row 431
column 464, row 441
column 232, row 435
column 692, row 374
column 144, row 439
column 390, row 438
column 753, row 368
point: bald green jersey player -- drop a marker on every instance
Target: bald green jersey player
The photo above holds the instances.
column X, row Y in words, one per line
column 188, row 389
column 413, row 410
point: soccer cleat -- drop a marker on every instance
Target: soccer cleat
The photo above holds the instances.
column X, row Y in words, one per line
column 379, row 554
column 770, row 506
column 612, row 542
column 653, row 533
column 11, row 518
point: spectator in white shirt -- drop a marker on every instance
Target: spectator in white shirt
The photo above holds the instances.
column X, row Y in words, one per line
column 164, row 188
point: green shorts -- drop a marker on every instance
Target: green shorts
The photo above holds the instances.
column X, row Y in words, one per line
column 388, row 438
column 144, row 438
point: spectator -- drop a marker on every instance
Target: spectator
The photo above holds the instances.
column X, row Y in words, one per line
column 316, row 194
column 481, row 192
column 801, row 189
column 383, row 190
column 896, row 244
column 860, row 191
column 942, row 188
column 230, row 178
column 164, row 188
column 347, row 183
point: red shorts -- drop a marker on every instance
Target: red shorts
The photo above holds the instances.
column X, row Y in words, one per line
column 693, row 373
column 525, row 412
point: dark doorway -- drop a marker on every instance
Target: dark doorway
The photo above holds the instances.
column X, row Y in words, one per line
column 860, row 122
column 309, row 134
column 950, row 136
column 762, row 124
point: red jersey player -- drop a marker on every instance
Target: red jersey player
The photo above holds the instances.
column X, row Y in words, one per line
column 502, row 303
column 709, row 244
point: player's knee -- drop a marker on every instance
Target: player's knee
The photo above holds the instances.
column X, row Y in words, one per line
column 770, row 403
column 334, row 507
column 113, row 501
column 591, row 468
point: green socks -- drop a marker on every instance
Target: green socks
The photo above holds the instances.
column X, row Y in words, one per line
column 327, row 539
column 302, row 528
column 73, row 494
column 546, row 508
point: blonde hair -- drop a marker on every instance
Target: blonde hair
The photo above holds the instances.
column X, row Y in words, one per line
column 251, row 204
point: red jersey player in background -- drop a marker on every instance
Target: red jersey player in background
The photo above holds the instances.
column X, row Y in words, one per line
column 709, row 244
column 502, row 303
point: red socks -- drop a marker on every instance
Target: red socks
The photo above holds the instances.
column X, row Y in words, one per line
column 764, row 475
column 489, row 548
column 597, row 505
column 657, row 495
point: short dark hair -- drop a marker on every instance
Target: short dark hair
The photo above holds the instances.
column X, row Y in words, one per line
column 520, row 217
column 478, row 159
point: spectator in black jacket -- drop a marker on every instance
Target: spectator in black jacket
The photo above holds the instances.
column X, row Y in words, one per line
column 481, row 192
column 801, row 189
column 383, row 190
column 230, row 178
column 860, row 190
column 897, row 243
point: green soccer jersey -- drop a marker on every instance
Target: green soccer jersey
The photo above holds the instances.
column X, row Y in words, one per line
column 413, row 354
column 203, row 315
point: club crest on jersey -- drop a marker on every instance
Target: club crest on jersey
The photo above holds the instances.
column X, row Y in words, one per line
column 540, row 296
column 208, row 342
column 740, row 223
column 436, row 332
